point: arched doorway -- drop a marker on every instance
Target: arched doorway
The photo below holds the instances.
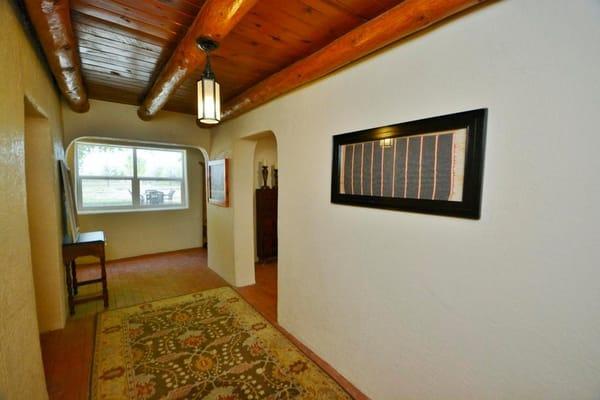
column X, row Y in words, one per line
column 265, row 210
column 163, row 231
column 255, row 210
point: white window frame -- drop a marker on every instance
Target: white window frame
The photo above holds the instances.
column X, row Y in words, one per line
column 136, row 206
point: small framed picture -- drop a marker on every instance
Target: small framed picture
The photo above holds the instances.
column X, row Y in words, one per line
column 432, row 166
column 218, row 186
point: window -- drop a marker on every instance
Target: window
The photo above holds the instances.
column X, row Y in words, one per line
column 124, row 178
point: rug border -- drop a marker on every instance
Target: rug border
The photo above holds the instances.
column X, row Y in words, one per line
column 276, row 326
column 285, row 334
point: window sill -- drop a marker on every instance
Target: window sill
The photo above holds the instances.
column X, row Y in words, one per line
column 130, row 210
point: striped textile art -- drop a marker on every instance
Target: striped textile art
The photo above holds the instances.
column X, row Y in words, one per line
column 424, row 166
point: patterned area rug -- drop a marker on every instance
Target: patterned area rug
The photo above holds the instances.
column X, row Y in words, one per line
column 210, row 345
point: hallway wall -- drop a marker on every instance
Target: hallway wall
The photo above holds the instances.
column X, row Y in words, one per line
column 22, row 74
column 410, row 306
column 44, row 219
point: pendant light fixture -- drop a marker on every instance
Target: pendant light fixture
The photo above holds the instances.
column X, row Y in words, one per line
column 209, row 95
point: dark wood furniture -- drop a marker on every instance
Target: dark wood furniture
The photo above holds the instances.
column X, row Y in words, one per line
column 88, row 244
column 266, row 224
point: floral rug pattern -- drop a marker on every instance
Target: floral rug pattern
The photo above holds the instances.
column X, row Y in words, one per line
column 210, row 345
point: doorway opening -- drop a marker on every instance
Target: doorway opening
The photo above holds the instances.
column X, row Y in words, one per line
column 255, row 233
column 43, row 214
column 265, row 199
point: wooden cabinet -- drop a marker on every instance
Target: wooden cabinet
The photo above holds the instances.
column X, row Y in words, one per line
column 266, row 224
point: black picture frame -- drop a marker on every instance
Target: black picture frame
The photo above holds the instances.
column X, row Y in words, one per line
column 473, row 121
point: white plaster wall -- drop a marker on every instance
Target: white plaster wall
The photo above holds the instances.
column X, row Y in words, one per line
column 120, row 121
column 243, row 210
column 412, row 306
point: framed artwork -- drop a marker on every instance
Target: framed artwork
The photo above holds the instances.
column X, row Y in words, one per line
column 218, row 185
column 70, row 212
column 432, row 166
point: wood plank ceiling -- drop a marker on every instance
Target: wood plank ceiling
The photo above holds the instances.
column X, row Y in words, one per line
column 124, row 43
column 143, row 52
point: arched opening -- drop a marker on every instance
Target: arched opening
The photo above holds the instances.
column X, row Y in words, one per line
column 255, row 210
column 138, row 233
column 265, row 210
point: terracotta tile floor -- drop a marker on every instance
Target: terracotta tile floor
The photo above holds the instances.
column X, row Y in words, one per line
column 148, row 278
column 67, row 353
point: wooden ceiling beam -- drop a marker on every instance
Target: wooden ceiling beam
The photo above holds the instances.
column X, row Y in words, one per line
column 408, row 17
column 52, row 23
column 215, row 20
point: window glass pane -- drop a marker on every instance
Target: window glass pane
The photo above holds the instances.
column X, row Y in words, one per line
column 106, row 192
column 159, row 163
column 160, row 193
column 103, row 160
column 217, row 182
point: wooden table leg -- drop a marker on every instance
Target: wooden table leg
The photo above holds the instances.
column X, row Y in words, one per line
column 74, row 269
column 104, row 284
column 68, row 265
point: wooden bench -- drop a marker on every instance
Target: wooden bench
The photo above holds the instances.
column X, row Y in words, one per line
column 88, row 244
